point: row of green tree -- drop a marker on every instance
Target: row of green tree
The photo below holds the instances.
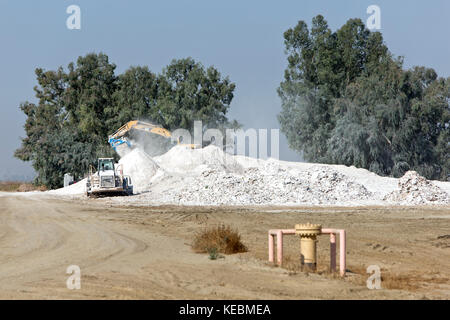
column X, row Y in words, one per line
column 347, row 100
column 67, row 129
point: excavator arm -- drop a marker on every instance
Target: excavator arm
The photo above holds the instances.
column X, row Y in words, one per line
column 140, row 125
column 118, row 137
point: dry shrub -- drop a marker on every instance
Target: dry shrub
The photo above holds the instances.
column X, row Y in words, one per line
column 9, row 186
column 397, row 281
column 26, row 187
column 221, row 238
column 411, row 281
column 12, row 186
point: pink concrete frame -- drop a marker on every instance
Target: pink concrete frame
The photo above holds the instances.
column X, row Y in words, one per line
column 279, row 233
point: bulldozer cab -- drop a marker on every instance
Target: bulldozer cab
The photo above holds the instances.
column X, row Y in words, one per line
column 105, row 164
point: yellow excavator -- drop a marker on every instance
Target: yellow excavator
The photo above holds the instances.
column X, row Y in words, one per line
column 140, row 125
column 153, row 138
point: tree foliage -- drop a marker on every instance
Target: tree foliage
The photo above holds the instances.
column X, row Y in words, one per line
column 67, row 128
column 347, row 100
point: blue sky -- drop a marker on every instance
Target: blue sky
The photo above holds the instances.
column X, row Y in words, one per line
column 242, row 39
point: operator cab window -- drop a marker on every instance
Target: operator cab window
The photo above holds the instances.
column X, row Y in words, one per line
column 106, row 165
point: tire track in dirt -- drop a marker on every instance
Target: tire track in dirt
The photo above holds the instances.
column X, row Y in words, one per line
column 41, row 240
column 144, row 254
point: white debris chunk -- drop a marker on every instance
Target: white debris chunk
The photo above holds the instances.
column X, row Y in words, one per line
column 414, row 189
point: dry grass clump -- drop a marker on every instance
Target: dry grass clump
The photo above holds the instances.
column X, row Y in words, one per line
column 26, row 187
column 221, row 238
column 9, row 186
column 12, row 186
column 397, row 281
column 411, row 280
column 293, row 265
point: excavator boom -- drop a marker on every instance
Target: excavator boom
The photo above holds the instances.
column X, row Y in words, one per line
column 136, row 127
column 140, row 125
column 119, row 137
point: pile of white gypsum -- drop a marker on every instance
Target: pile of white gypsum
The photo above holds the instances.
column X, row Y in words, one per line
column 210, row 176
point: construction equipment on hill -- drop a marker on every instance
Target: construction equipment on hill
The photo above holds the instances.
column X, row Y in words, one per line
column 154, row 139
column 108, row 179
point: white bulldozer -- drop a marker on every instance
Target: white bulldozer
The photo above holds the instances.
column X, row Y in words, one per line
column 108, row 180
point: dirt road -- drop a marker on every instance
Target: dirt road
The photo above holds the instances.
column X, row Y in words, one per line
column 144, row 253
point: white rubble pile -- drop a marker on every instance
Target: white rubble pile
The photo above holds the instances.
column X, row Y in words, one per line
column 268, row 185
column 209, row 176
column 414, row 189
column 74, row 189
column 140, row 167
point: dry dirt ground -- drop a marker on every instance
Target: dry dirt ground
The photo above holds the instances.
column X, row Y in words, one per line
column 144, row 252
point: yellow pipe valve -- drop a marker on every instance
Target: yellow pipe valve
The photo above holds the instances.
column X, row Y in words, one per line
column 308, row 244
